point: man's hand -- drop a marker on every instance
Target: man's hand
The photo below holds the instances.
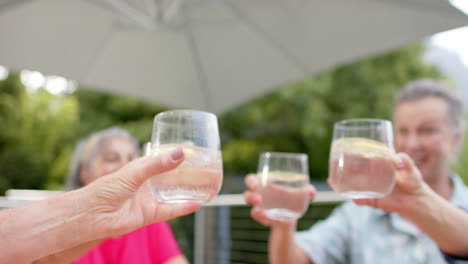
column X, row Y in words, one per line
column 255, row 199
column 409, row 186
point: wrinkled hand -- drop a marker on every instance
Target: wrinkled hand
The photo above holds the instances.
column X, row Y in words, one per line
column 409, row 185
column 122, row 201
column 255, row 199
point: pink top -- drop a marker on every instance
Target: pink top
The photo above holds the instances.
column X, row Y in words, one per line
column 150, row 244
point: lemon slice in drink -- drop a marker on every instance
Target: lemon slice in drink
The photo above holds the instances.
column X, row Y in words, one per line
column 374, row 146
column 285, row 176
column 364, row 147
column 188, row 151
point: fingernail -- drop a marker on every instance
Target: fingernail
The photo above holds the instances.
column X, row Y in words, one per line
column 399, row 162
column 177, row 154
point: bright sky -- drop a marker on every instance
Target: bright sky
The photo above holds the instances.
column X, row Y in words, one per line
column 3, row 72
column 455, row 40
column 34, row 80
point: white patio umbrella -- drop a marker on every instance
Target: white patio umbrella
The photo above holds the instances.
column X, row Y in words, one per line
column 206, row 54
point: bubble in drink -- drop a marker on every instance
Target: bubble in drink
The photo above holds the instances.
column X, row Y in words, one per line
column 284, row 194
column 361, row 168
column 198, row 178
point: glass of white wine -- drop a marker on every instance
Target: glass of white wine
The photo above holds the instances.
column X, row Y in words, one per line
column 361, row 158
column 200, row 176
column 283, row 184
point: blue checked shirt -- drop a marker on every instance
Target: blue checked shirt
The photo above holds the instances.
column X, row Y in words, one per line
column 355, row 234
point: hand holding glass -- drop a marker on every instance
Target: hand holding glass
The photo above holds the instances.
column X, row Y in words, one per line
column 200, row 176
column 283, row 184
column 361, row 158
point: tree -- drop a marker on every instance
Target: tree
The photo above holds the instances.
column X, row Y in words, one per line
column 35, row 129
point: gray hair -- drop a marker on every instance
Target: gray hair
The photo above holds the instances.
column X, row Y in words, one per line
column 87, row 149
column 424, row 88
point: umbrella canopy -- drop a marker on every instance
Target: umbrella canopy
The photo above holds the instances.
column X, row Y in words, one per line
column 209, row 55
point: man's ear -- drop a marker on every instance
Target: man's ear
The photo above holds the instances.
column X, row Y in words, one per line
column 457, row 140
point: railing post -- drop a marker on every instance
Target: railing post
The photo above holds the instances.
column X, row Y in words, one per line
column 199, row 237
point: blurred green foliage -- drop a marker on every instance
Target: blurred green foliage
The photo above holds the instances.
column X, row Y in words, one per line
column 38, row 130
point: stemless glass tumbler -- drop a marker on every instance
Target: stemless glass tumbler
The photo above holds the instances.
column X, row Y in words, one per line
column 200, row 175
column 283, row 184
column 361, row 158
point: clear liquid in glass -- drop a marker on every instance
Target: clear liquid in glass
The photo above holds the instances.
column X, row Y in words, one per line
column 361, row 168
column 198, row 178
column 284, row 194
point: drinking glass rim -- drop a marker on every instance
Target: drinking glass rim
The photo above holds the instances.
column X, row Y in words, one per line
column 183, row 111
column 371, row 122
column 268, row 154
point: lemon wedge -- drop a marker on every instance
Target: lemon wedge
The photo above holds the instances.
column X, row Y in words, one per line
column 284, row 176
column 365, row 147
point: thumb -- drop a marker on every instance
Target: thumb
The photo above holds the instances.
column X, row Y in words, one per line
column 143, row 168
column 407, row 172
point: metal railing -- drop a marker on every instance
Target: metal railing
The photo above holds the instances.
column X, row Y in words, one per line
column 247, row 240
column 17, row 197
column 221, row 232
